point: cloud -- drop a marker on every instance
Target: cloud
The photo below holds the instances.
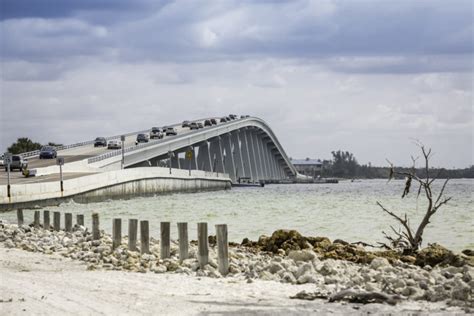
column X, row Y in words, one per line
column 364, row 76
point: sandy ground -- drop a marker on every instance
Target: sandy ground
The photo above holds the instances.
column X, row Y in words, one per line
column 34, row 283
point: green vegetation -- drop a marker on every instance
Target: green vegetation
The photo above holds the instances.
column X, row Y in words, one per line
column 345, row 165
column 24, row 144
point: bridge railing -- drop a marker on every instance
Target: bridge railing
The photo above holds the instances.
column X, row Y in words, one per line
column 89, row 142
column 119, row 152
column 140, row 146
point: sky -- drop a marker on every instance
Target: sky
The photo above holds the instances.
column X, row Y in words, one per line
column 364, row 76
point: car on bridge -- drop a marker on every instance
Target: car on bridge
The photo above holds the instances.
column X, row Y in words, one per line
column 48, row 152
column 2, row 160
column 156, row 132
column 223, row 119
column 17, row 162
column 244, row 116
column 100, row 142
column 186, row 124
column 207, row 123
column 142, row 138
column 213, row 121
column 170, row 131
column 233, row 116
column 114, row 144
column 200, row 125
column 193, row 125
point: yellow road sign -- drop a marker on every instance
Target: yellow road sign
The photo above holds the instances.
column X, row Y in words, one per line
column 189, row 154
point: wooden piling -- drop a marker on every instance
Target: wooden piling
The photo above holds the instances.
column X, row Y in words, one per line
column 183, row 241
column 145, row 237
column 95, row 226
column 165, row 240
column 46, row 220
column 57, row 221
column 19, row 216
column 222, row 249
column 132, row 234
column 116, row 232
column 37, row 219
column 80, row 219
column 203, row 247
column 68, row 222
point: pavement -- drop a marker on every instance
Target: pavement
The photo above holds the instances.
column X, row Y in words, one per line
column 72, row 155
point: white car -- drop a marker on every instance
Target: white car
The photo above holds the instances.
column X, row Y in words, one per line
column 114, row 144
column 2, row 161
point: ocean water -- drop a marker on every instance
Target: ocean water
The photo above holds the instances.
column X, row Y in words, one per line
column 346, row 210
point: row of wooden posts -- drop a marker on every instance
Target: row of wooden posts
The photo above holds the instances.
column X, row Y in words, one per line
column 165, row 241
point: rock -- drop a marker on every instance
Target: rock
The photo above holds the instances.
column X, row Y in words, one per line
column 340, row 241
column 288, row 278
column 328, row 268
column 302, row 255
column 9, row 244
column 263, row 240
column 408, row 259
column 378, row 263
column 286, row 240
column 468, row 252
column 275, row 267
column 159, row 269
column 304, row 269
column 433, row 255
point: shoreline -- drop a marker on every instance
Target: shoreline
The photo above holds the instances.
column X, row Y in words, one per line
column 430, row 289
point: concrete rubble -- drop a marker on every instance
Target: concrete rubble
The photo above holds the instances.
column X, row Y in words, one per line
column 301, row 262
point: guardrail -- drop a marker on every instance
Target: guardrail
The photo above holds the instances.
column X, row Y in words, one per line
column 89, row 142
column 136, row 147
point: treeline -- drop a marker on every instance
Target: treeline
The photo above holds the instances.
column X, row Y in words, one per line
column 345, row 165
column 24, row 144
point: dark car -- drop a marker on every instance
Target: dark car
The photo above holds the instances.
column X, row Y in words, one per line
column 200, row 125
column 48, row 152
column 186, row 124
column 169, row 131
column 156, row 132
column 213, row 121
column 142, row 138
column 207, row 123
column 100, row 142
column 233, row 116
column 244, row 116
column 223, row 119
column 193, row 125
column 17, row 162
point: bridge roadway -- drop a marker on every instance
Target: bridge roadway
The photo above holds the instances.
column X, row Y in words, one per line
column 245, row 148
column 72, row 155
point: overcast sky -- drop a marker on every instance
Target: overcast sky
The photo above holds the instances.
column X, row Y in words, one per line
column 363, row 76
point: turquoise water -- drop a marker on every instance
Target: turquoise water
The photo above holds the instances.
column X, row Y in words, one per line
column 346, row 210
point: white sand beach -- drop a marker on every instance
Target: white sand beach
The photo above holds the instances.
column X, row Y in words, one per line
column 35, row 283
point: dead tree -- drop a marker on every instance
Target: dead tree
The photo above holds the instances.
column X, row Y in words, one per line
column 407, row 239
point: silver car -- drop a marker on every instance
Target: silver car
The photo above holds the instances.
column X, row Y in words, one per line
column 114, row 144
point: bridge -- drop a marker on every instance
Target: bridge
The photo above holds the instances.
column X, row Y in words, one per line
column 244, row 149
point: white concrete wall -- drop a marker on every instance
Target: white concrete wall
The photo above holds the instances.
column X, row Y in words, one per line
column 51, row 190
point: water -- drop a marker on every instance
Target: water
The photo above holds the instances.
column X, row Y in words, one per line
column 346, row 210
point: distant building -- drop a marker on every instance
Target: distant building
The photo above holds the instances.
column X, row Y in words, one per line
column 308, row 167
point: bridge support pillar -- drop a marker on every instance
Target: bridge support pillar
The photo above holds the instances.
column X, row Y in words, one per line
column 204, row 161
column 175, row 161
column 253, row 156
column 258, row 157
column 229, row 164
column 237, row 151
column 216, row 155
column 246, row 154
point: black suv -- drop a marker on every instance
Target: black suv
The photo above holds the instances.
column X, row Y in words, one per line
column 48, row 152
column 142, row 138
column 207, row 123
column 186, row 124
column 100, row 141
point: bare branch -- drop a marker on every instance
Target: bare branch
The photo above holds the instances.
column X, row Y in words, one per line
column 442, row 191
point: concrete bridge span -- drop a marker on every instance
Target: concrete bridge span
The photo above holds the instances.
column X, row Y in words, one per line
column 245, row 148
